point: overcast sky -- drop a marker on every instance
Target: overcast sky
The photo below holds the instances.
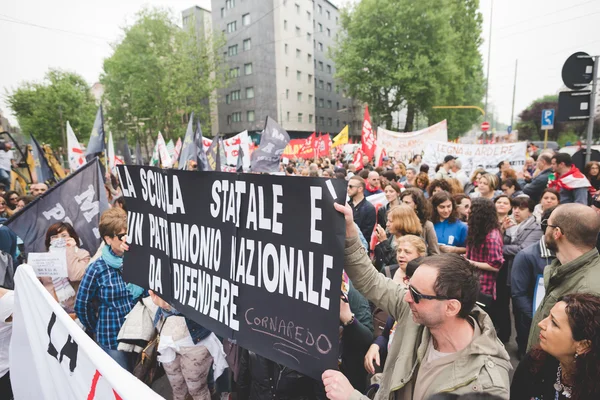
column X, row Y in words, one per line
column 75, row 35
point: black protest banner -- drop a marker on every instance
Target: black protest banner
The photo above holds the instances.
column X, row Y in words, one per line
column 79, row 199
column 255, row 258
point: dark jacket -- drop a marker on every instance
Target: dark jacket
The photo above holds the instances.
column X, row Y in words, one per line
column 385, row 254
column 365, row 217
column 527, row 385
column 197, row 331
column 535, row 188
column 529, row 233
column 382, row 215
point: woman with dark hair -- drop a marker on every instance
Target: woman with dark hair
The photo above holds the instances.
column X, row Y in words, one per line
column 416, row 162
column 503, row 209
column 592, row 172
column 550, row 198
column 401, row 221
column 62, row 235
column 511, row 188
column 415, row 199
column 438, row 185
column 120, row 203
column 463, row 206
column 23, row 201
column 450, row 231
column 391, row 191
column 484, row 245
column 12, row 198
column 5, row 212
column 565, row 364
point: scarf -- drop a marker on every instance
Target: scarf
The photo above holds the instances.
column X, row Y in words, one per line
column 370, row 188
column 116, row 262
column 571, row 180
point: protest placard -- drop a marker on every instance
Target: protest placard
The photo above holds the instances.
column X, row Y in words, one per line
column 255, row 258
column 50, row 264
column 402, row 146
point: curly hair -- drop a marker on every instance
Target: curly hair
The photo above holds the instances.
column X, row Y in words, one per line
column 436, row 200
column 423, row 208
column 441, row 183
column 423, row 178
column 583, row 313
column 483, row 220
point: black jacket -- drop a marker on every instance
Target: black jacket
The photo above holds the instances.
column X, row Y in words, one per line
column 382, row 215
column 535, row 188
column 385, row 254
column 365, row 217
column 527, row 385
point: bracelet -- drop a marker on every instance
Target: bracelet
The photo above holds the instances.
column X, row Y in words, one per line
column 351, row 321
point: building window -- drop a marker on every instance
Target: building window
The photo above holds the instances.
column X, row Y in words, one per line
column 299, row 117
column 250, row 116
column 337, row 123
column 297, row 9
column 337, row 105
column 234, row 72
column 310, row 118
column 246, row 20
column 232, row 50
column 222, row 13
column 309, row 78
column 320, row 9
column 328, row 32
column 236, row 117
column 248, row 69
column 328, row 14
column 229, row 120
column 328, row 87
column 322, row 120
column 227, row 99
column 308, row 15
column 298, row 32
column 320, row 46
column 299, row 96
column 231, row 27
column 320, row 65
column 285, row 25
column 328, row 103
column 287, row 116
column 247, row 44
column 249, row 92
column 310, row 99
column 329, row 121
column 308, row 58
column 287, row 71
column 321, row 103
column 320, row 84
column 229, row 4
column 236, row 95
column 336, row 20
column 298, row 75
column 298, row 53
column 320, row 27
column 328, row 68
column 287, row 94
column 308, row 36
column 285, row 47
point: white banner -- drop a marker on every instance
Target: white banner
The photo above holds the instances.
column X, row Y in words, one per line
column 232, row 148
column 76, row 157
column 165, row 158
column 473, row 156
column 52, row 358
column 404, row 145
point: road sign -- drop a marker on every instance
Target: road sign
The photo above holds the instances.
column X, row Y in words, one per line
column 485, row 126
column 578, row 70
column 548, row 119
column 574, row 105
column 509, row 129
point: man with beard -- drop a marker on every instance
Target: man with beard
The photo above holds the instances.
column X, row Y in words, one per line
column 446, row 343
column 570, row 232
column 364, row 212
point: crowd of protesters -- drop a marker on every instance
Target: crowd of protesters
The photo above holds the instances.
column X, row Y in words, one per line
column 433, row 261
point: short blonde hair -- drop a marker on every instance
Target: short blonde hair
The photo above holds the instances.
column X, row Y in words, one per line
column 415, row 241
column 112, row 222
column 492, row 180
column 405, row 221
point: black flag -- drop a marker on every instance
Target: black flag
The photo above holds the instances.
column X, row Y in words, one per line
column 213, row 156
column 42, row 166
column 79, row 199
column 200, row 154
column 124, row 148
column 188, row 150
column 222, row 154
column 272, row 144
column 138, row 154
column 240, row 160
column 97, row 143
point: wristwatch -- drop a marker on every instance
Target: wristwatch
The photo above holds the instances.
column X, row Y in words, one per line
column 349, row 322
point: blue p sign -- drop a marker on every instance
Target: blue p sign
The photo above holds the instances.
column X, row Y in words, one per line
column 548, row 119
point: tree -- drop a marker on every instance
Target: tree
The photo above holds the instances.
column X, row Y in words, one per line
column 396, row 54
column 157, row 75
column 43, row 108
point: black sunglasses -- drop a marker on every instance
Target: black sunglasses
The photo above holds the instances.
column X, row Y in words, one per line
column 120, row 236
column 416, row 296
column 544, row 225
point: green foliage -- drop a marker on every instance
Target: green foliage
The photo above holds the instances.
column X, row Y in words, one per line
column 567, row 137
column 396, row 54
column 38, row 105
column 157, row 75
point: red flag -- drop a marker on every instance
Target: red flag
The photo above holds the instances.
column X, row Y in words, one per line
column 380, row 161
column 367, row 137
column 309, row 144
column 323, row 145
column 358, row 160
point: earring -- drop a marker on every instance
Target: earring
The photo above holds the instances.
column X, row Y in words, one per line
column 576, row 355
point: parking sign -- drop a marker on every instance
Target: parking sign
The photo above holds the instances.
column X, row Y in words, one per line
column 547, row 119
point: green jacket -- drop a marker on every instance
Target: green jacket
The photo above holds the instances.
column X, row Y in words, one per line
column 483, row 367
column 581, row 275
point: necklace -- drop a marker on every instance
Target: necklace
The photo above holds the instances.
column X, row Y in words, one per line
column 559, row 387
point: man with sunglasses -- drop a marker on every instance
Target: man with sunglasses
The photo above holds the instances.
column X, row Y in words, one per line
column 364, row 212
column 571, row 232
column 443, row 342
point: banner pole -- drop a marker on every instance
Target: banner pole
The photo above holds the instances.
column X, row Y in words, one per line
column 546, row 139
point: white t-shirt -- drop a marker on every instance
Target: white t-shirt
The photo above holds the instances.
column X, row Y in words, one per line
column 5, row 159
column 6, row 309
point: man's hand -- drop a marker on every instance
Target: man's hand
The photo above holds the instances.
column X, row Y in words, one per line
column 380, row 232
column 349, row 217
column 336, row 385
column 372, row 355
column 345, row 312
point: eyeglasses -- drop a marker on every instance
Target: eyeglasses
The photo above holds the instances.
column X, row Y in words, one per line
column 13, row 198
column 352, row 186
column 544, row 225
column 416, row 296
column 120, row 236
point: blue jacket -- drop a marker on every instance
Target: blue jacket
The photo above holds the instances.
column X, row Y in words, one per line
column 527, row 266
column 535, row 188
column 457, row 230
